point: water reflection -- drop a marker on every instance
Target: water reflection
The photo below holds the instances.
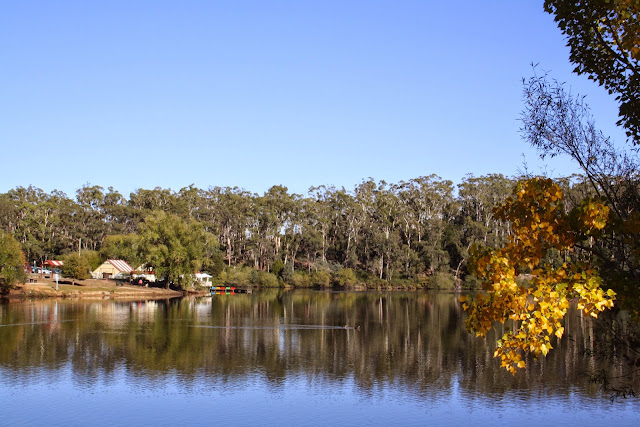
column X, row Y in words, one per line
column 375, row 343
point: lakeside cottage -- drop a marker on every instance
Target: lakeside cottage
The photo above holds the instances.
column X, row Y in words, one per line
column 110, row 268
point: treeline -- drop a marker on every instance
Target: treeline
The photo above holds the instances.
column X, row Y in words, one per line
column 413, row 233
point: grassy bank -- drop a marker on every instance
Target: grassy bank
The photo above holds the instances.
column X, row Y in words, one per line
column 91, row 288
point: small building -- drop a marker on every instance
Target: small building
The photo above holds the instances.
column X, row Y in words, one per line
column 203, row 279
column 110, row 268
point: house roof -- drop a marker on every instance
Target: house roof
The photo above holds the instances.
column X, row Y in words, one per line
column 120, row 265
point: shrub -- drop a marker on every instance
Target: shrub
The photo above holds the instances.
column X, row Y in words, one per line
column 321, row 278
column 277, row 267
column 93, row 258
column 76, row 267
column 263, row 279
column 471, row 282
column 301, row 279
column 287, row 275
column 406, row 284
column 346, row 278
column 442, row 280
column 238, row 276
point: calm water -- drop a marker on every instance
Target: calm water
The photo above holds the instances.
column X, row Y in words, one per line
column 284, row 358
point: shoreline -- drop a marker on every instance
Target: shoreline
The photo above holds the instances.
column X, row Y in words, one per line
column 101, row 289
column 92, row 289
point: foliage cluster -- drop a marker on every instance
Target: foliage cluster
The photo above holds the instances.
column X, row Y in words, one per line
column 12, row 262
column 536, row 307
column 604, row 38
column 76, row 267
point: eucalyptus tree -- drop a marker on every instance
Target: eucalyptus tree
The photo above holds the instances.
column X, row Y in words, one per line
column 434, row 204
column 271, row 218
column 476, row 222
column 478, row 198
column 118, row 215
column 312, row 238
column 159, row 198
column 188, row 203
column 90, row 217
column 293, row 229
column 321, row 211
column 364, row 199
column 40, row 222
column 226, row 211
column 409, row 227
column 348, row 223
column 386, row 218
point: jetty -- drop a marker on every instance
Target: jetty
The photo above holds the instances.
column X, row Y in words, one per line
column 229, row 290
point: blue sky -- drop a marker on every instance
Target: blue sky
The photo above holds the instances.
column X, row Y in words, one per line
column 139, row 94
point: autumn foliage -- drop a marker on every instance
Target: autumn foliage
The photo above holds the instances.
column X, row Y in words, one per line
column 536, row 306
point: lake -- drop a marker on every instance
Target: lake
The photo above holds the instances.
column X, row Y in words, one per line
column 280, row 357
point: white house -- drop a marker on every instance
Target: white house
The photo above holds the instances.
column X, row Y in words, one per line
column 203, row 279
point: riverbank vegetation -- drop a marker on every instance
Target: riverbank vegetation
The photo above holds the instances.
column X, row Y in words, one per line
column 413, row 234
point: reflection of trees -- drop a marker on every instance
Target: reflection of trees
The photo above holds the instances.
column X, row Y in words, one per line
column 413, row 341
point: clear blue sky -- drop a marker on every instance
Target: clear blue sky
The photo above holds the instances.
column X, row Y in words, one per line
column 139, row 94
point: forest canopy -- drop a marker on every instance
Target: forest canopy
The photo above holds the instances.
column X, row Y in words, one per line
column 416, row 233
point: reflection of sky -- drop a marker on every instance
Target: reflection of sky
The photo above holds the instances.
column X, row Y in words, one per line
column 58, row 397
column 103, row 386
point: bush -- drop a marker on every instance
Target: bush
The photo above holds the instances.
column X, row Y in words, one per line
column 442, row 280
column 263, row 279
column 277, row 267
column 93, row 258
column 346, row 278
column 406, row 284
column 286, row 275
column 422, row 281
column 238, row 276
column 76, row 267
column 300, row 279
column 471, row 282
column 331, row 267
column 321, row 278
